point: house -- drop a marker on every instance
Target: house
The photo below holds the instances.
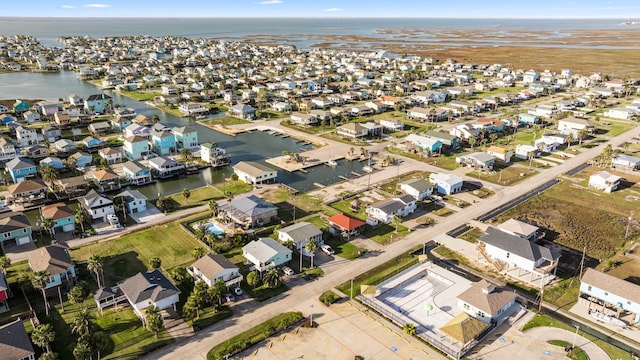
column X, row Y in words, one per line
column 303, row 118
column 266, row 253
column 550, row 142
column 299, row 234
column 31, row 116
column 392, row 124
column 52, row 161
column 464, row 131
column 20, row 107
column 620, row 113
column 81, row 159
column 165, row 167
column 26, row 136
column 73, row 186
column 448, row 141
column 96, row 205
column 92, row 144
column 122, row 113
column 7, row 149
column 384, row 210
column 605, row 181
column 346, row 226
column 446, row 184
column 252, row 172
column 136, row 147
column 35, row 152
column 111, row 155
column 420, row 189
column 186, row 137
column 136, row 173
column 120, row 123
column 214, row 155
column 135, row 202
column 48, row 109
column 242, row 111
column 487, row 301
column 352, row 130
column 99, row 128
column 27, row 193
column 192, row 108
column 533, row 262
column 249, row 211
column 519, row 228
column 63, row 218
column 15, row 343
column 500, row 153
column 573, row 125
column 64, row 146
column 477, row 160
column 97, row 104
column 149, row 288
column 488, row 124
column 14, row 226
column 213, row 267
column 425, row 143
column 608, row 294
column 56, row 261
column 163, row 142
column 20, row 169
column 142, row 122
column 103, row 180
column 526, row 151
column 62, row 119
column 528, row 119
column 625, row 161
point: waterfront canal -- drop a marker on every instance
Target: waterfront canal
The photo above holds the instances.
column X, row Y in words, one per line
column 255, row 146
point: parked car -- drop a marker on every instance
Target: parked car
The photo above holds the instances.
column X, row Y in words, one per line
column 327, row 249
column 230, row 297
column 238, row 291
column 287, row 271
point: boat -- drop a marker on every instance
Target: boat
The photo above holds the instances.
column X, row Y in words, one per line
column 367, row 169
column 332, row 163
column 608, row 319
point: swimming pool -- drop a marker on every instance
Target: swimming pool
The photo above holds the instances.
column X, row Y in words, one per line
column 214, row 229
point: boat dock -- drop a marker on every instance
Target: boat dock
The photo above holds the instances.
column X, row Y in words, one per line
column 291, row 189
column 344, row 178
column 303, row 171
column 318, row 185
column 355, row 174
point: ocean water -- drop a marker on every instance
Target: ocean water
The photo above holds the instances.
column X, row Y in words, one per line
column 47, row 30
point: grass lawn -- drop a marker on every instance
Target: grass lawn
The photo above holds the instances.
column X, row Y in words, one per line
column 140, row 95
column 198, row 196
column 449, row 254
column 130, row 254
column 380, row 273
column 508, row 176
column 390, row 186
column 615, row 128
column 544, row 320
column 234, row 187
column 564, row 294
column 472, row 235
column 316, row 129
column 345, row 250
column 224, row 121
column 443, row 212
column 269, row 114
column 209, row 317
column 445, row 162
column 170, row 110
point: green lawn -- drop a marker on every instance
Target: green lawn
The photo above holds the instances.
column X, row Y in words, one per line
column 209, row 317
column 507, row 176
column 615, row 128
column 472, row 235
column 233, row 187
column 225, row 121
column 269, row 114
column 390, row 186
column 575, row 353
column 443, row 212
column 140, row 95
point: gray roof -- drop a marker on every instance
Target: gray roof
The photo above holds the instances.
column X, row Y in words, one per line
column 133, row 166
column 264, row 249
column 211, row 265
column 252, row 168
column 627, row 158
column 301, row 231
column 161, row 133
column 612, row 284
column 444, row 137
column 251, row 205
column 393, row 204
column 420, row 185
column 183, row 130
column 161, row 161
column 93, row 198
column 516, row 245
column 10, row 221
column 151, row 285
column 19, row 163
column 482, row 157
column 14, row 341
column 131, row 195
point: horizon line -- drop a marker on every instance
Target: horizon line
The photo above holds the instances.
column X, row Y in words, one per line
column 320, row 17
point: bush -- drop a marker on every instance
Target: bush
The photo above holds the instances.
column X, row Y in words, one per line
column 328, row 297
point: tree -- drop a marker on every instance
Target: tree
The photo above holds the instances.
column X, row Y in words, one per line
column 311, row 247
column 200, row 296
column 94, row 264
column 43, row 335
column 186, row 154
column 82, row 323
column 82, row 350
column 5, row 262
column 569, row 139
column 39, row 280
column 153, row 320
column 190, row 309
column 493, row 137
column 49, row 356
column 47, row 224
column 582, row 133
column 472, row 142
column 179, row 274
column 272, row 278
column 409, row 329
column 213, row 206
column 186, row 193
column 49, row 174
column 606, row 154
column 198, row 252
column 79, row 217
column 276, row 228
column 155, row 262
column 76, row 295
column 397, row 220
column 99, row 342
column 253, row 279
column 217, row 291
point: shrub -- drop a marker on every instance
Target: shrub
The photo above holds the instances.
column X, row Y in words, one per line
column 328, row 297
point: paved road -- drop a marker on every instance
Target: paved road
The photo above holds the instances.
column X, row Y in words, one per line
column 197, row 346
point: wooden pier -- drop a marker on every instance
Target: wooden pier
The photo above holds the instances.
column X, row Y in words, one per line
column 291, row 189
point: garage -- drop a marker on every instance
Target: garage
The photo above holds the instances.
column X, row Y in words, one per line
column 23, row 240
column 68, row 227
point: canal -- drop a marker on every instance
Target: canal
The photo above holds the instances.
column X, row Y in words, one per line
column 255, row 146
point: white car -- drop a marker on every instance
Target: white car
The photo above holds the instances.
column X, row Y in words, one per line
column 237, row 291
column 287, row 271
column 327, row 249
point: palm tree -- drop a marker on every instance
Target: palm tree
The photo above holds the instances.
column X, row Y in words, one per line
column 153, row 320
column 43, row 335
column 99, row 341
column 409, row 329
column 82, row 350
column 213, row 206
column 186, row 154
column 76, row 295
column 49, row 356
column 155, row 262
column 47, row 224
column 49, row 174
column 472, row 142
column 217, row 291
column 186, row 193
column 39, row 280
column 198, row 252
column 582, row 133
column 271, row 278
column 569, row 139
column 252, row 279
column 82, row 323
column 94, row 264
column 311, row 247
column 5, row 262
column 493, row 137
column 190, row 309
column 79, row 217
column 397, row 220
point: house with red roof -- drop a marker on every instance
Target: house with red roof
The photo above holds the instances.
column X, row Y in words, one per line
column 345, row 226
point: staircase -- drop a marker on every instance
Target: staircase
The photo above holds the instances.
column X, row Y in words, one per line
column 481, row 249
column 175, row 325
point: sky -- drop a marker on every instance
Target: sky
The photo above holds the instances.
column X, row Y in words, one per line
column 624, row 9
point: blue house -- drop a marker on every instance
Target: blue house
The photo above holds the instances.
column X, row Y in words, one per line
column 20, row 106
column 53, row 161
column 81, row 159
column 55, row 260
column 135, row 201
column 426, row 144
column 528, row 119
column 97, row 104
column 163, row 142
column 186, row 138
column 14, row 226
column 604, row 292
column 20, row 169
column 91, row 143
column 64, row 220
column 136, row 147
column 136, row 173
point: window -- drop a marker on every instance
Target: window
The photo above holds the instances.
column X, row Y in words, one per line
column 589, row 288
column 606, row 294
column 508, row 254
column 466, row 306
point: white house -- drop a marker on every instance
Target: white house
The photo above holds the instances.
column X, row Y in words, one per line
column 213, row 267
column 301, row 233
column 211, row 153
column 626, row 161
column 524, row 151
column 446, row 183
column 519, row 228
column 96, row 205
column 605, row 181
column 149, row 288
column 266, row 253
column 254, row 173
column 500, row 153
column 192, row 108
column 550, row 142
column 487, row 302
column 622, row 295
column 26, row 136
column 573, row 125
column 420, row 189
column 384, row 210
column 620, row 113
column 392, row 124
column 303, row 118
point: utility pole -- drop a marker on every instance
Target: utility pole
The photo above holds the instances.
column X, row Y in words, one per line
column 351, row 288
column 626, row 233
